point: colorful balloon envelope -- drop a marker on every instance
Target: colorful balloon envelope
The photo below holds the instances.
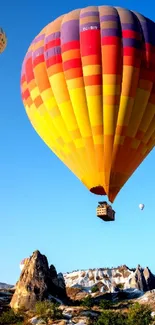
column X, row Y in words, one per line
column 3, row 40
column 88, row 87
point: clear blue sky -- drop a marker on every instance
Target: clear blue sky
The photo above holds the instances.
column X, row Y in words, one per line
column 42, row 204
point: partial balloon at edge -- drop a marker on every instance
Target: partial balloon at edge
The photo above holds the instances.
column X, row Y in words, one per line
column 22, row 263
column 3, row 40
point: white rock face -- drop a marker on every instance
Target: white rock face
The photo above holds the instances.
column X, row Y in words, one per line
column 109, row 279
column 153, row 314
column 37, row 321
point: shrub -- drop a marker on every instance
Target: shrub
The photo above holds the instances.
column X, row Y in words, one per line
column 92, row 320
column 10, row 317
column 120, row 286
column 87, row 302
column 94, row 289
column 112, row 318
column 139, row 315
column 105, row 304
column 47, row 309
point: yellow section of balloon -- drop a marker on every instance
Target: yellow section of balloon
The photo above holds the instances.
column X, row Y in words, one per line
column 88, row 87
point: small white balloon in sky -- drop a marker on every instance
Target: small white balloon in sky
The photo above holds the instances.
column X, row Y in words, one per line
column 141, row 206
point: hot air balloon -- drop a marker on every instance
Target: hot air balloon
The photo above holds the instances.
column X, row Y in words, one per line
column 3, row 40
column 22, row 263
column 141, row 206
column 88, row 87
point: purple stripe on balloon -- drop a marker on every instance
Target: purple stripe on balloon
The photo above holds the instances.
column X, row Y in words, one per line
column 39, row 38
column 148, row 23
column 89, row 14
column 111, row 32
column 109, row 18
column 145, row 26
column 52, row 37
column 28, row 55
column 23, row 69
column 149, row 39
column 148, row 29
column 53, row 52
column 38, row 52
column 146, row 37
column 70, row 31
column 128, row 26
column 131, row 42
column 89, row 26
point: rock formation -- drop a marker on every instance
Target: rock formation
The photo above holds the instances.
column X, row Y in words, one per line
column 111, row 280
column 37, row 281
column 142, row 279
column 149, row 279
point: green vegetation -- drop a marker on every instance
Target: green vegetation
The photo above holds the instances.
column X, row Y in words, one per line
column 137, row 315
column 106, row 304
column 10, row 317
column 87, row 302
column 47, row 309
column 94, row 289
column 111, row 318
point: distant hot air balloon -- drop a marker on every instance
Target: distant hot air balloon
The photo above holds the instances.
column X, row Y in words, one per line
column 88, row 87
column 22, row 263
column 3, row 40
column 141, row 206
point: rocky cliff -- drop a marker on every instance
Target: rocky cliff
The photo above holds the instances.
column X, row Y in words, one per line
column 5, row 286
column 37, row 281
column 111, row 280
